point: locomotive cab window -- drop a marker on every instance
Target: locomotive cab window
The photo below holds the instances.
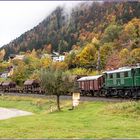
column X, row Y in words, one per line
column 139, row 71
column 118, row 75
column 126, row 74
column 111, row 76
column 129, row 74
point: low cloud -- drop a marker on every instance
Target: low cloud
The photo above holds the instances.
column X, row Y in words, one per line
column 19, row 16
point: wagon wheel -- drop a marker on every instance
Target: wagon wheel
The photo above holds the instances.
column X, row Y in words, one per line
column 134, row 94
column 92, row 94
column 99, row 93
column 120, row 93
column 128, row 94
column 107, row 93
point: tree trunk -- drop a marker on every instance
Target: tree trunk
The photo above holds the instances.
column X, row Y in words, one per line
column 58, row 102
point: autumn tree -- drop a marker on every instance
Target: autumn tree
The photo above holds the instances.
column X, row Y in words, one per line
column 96, row 43
column 59, row 65
column 48, row 48
column 87, row 56
column 2, row 54
column 62, row 46
column 105, row 51
column 35, row 75
column 125, row 58
column 33, row 53
column 132, row 32
column 56, row 82
column 135, row 55
column 32, row 61
column 3, row 66
column 20, row 73
column 70, row 59
column 111, row 33
column 45, row 62
column 113, row 61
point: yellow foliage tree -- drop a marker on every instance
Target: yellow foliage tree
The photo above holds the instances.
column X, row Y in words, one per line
column 135, row 55
column 2, row 54
column 45, row 62
column 96, row 43
column 59, row 65
column 132, row 32
column 86, row 56
column 124, row 57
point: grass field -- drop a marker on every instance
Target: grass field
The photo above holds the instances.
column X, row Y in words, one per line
column 89, row 120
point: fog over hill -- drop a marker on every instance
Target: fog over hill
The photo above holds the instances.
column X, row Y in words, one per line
column 18, row 17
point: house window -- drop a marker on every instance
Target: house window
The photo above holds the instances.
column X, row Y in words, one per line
column 125, row 74
column 118, row 75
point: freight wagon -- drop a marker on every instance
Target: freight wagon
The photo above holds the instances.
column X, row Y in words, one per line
column 91, row 85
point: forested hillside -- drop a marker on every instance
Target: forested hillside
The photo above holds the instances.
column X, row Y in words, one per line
column 115, row 25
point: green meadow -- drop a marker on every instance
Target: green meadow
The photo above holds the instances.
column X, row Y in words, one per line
column 88, row 120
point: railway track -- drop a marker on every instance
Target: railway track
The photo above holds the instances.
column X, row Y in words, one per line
column 66, row 97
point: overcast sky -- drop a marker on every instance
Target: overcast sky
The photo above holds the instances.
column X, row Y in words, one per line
column 16, row 17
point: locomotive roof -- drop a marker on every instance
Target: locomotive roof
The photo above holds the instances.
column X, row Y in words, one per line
column 123, row 69
column 86, row 78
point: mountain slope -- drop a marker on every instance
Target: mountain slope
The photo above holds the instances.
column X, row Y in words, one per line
column 63, row 30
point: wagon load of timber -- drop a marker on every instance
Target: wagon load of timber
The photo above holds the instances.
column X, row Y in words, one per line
column 9, row 84
column 6, row 86
column 32, row 86
column 91, row 84
column 33, row 83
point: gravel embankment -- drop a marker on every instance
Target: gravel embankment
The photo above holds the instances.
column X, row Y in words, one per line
column 82, row 98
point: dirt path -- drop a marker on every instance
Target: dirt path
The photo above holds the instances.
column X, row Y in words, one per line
column 6, row 113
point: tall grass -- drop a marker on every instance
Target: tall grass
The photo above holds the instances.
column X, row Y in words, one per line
column 130, row 109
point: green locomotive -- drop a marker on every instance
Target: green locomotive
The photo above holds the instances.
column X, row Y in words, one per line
column 123, row 82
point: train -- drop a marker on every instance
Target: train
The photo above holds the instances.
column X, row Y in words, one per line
column 123, row 82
